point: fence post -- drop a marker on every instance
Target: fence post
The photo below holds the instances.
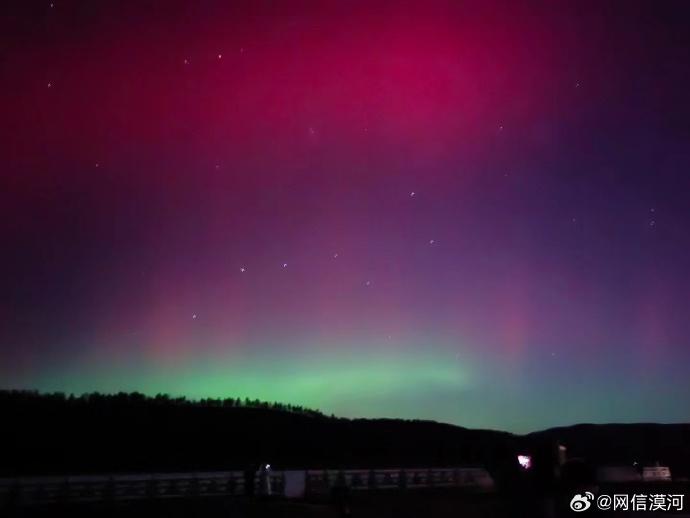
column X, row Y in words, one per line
column 194, row 489
column 402, row 479
column 63, row 492
column 371, row 481
column 109, row 490
column 151, row 488
column 231, row 485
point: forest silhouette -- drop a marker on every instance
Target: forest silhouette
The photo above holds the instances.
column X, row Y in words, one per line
column 56, row 433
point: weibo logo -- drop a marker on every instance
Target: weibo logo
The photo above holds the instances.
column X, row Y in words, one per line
column 581, row 503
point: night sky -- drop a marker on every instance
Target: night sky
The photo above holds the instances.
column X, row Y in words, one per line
column 473, row 212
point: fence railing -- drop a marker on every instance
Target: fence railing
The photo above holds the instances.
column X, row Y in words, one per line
column 294, row 483
column 477, row 478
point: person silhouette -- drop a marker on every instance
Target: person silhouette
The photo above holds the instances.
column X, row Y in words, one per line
column 265, row 479
column 249, row 479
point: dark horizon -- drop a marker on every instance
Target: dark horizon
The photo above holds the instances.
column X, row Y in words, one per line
column 282, row 406
column 132, row 455
column 55, row 434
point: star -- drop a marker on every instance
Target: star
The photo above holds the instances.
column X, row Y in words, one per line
column 412, row 194
column 335, row 255
column 243, row 269
column 97, row 164
column 220, row 56
column 194, row 316
column 368, row 283
column 431, row 241
column 652, row 223
column 186, row 62
column 500, row 128
column 50, row 84
column 577, row 85
column 52, row 5
column 652, row 209
column 284, row 265
column 217, row 166
column 241, row 50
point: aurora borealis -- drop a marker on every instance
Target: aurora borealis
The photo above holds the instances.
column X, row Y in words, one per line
column 473, row 212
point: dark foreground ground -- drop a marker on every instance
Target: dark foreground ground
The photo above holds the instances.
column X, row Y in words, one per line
column 421, row 504
column 428, row 505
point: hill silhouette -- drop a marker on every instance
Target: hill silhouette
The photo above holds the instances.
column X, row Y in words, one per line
column 643, row 443
column 94, row 433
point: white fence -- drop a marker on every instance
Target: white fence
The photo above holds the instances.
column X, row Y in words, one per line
column 120, row 487
column 358, row 480
column 290, row 484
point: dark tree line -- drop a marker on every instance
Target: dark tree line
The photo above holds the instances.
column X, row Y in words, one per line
column 142, row 400
column 130, row 432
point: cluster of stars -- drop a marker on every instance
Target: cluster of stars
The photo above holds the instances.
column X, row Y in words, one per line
column 367, row 283
column 412, row 194
column 243, row 269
